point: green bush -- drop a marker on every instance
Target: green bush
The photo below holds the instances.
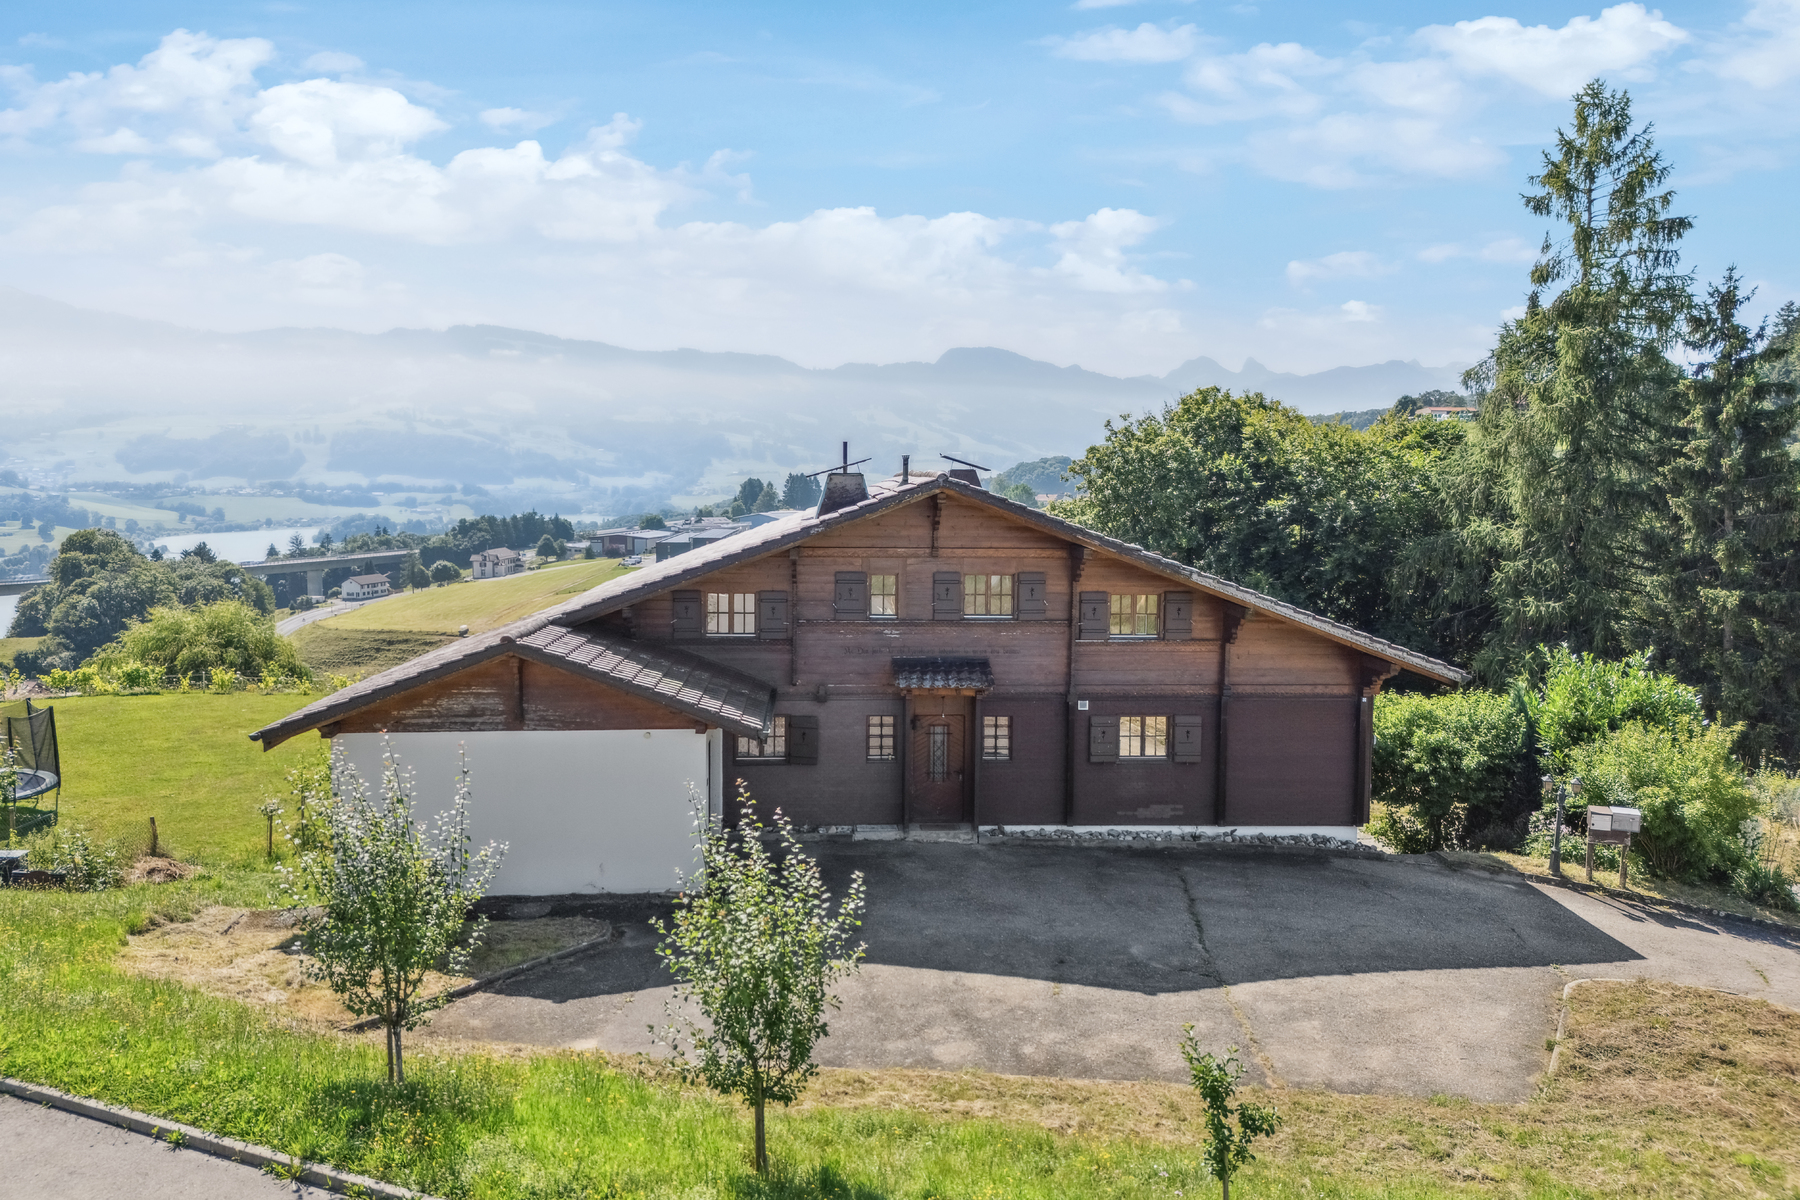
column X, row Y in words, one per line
column 88, row 863
column 1694, row 795
column 1762, row 883
column 1583, row 698
column 1440, row 758
column 228, row 635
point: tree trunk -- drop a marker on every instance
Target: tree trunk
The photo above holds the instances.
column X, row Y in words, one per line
column 399, row 1060
column 762, row 1147
column 1225, row 1183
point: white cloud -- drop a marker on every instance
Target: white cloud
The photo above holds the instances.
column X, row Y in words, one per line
column 1498, row 250
column 1762, row 50
column 1093, row 251
column 1146, row 44
column 320, row 121
column 1345, row 264
column 517, row 118
column 1350, row 149
column 1358, row 310
column 1082, row 5
column 333, row 62
column 1557, row 62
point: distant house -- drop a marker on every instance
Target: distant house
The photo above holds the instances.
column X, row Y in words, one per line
column 493, row 564
column 1447, row 412
column 611, row 541
column 763, row 518
column 643, row 541
column 682, row 541
column 365, row 587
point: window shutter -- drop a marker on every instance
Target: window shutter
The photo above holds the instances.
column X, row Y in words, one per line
column 690, row 615
column 771, row 615
column 1094, row 618
column 1033, row 601
column 1177, row 616
column 1103, row 739
column 850, row 599
column 1186, row 742
column 803, row 739
column 946, row 596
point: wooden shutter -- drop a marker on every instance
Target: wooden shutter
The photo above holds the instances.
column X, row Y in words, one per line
column 1031, row 598
column 1177, row 616
column 772, row 615
column 946, row 596
column 1095, row 620
column 850, row 598
column 690, row 615
column 1103, row 739
column 803, row 739
column 1186, row 742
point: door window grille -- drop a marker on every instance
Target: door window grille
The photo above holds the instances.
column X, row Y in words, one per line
column 937, row 753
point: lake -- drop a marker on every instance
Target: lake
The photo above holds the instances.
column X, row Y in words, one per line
column 250, row 545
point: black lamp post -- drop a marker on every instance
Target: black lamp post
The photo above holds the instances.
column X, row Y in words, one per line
column 1562, row 793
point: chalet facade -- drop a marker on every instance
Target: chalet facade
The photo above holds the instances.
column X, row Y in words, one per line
column 920, row 654
column 495, row 564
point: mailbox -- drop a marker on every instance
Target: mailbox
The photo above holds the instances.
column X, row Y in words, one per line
column 1604, row 818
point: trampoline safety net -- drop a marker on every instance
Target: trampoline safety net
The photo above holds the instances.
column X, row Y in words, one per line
column 32, row 740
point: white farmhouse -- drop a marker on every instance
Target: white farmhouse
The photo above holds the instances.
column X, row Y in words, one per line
column 365, row 587
column 493, row 564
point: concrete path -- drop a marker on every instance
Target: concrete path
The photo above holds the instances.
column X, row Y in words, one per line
column 1356, row 974
column 51, row 1154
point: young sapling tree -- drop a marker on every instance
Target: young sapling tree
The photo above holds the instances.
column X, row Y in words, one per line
column 755, row 948
column 1229, row 1128
column 392, row 899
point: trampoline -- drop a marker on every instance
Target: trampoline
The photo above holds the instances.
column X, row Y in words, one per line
column 32, row 741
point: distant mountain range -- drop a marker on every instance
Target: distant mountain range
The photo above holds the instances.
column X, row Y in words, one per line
column 554, row 421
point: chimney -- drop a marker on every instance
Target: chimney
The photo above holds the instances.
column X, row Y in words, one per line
column 842, row 489
column 906, row 468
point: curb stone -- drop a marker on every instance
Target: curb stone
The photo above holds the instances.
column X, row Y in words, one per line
column 213, row 1144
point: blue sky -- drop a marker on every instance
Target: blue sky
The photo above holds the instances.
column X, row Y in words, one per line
column 1121, row 185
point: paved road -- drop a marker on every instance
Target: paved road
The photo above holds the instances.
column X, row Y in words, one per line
column 1356, row 974
column 51, row 1155
column 288, row 626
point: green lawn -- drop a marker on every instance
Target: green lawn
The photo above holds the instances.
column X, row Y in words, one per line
column 183, row 758
column 12, row 646
column 480, row 604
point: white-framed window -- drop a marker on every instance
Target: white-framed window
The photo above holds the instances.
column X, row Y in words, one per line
column 996, row 739
column 1134, row 616
column 772, row 747
column 987, row 595
column 881, row 739
column 884, row 595
column 1143, row 737
column 730, row 612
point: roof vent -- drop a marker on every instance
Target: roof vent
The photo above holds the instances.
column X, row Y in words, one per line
column 964, row 471
column 842, row 489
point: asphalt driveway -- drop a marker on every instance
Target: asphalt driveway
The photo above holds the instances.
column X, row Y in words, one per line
column 1330, row 970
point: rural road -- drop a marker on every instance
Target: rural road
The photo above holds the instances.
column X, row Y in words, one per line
column 1355, row 974
column 288, row 626
column 51, row 1155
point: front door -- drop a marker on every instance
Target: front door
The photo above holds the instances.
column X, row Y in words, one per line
column 937, row 762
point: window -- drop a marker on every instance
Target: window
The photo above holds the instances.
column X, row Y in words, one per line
column 881, row 739
column 730, row 612
column 987, row 595
column 884, row 595
column 773, row 746
column 1143, row 737
column 1133, row 616
column 996, row 738
column 937, row 754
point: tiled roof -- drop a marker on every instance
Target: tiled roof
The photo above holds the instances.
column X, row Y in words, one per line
column 669, row 676
column 943, row 673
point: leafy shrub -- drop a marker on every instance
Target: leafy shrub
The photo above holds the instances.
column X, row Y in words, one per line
column 87, row 863
column 1583, row 698
column 1693, row 793
column 1764, row 884
column 445, row 572
column 228, row 634
column 1439, row 757
column 137, row 677
column 224, row 681
column 1399, row 829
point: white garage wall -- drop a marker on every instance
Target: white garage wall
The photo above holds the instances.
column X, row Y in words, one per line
column 584, row 810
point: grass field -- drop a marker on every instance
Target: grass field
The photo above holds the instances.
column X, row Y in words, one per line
column 361, row 652
column 11, row 646
column 1666, row 1092
column 480, row 604
column 184, row 759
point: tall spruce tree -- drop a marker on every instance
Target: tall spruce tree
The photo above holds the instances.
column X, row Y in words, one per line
column 1562, row 485
column 1726, row 613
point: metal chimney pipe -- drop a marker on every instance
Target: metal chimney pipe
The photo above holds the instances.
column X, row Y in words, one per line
column 906, row 468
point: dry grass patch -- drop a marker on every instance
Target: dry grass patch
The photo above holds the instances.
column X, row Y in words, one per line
column 1642, row 886
column 1661, row 1091
column 253, row 955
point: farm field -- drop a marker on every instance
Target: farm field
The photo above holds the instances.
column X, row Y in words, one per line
column 480, row 604
column 11, row 646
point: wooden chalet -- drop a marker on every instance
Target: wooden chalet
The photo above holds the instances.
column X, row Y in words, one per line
column 919, row 654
